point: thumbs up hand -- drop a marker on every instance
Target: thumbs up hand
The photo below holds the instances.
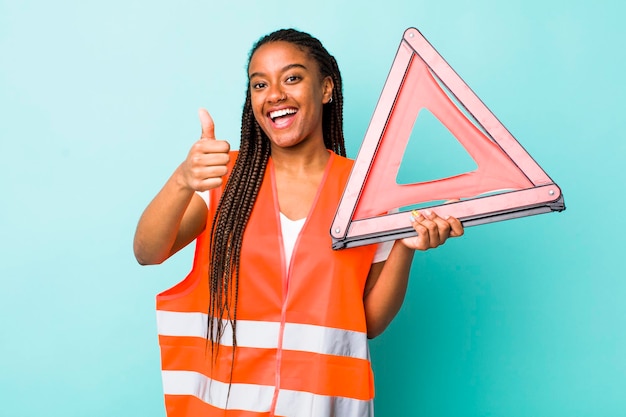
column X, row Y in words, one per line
column 207, row 160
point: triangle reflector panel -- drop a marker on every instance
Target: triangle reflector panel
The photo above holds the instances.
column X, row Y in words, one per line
column 506, row 184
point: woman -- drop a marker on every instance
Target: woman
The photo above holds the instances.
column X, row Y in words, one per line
column 286, row 317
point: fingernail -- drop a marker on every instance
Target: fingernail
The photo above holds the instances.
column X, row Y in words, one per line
column 428, row 212
column 414, row 215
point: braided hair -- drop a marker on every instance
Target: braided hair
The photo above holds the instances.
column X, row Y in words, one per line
column 242, row 187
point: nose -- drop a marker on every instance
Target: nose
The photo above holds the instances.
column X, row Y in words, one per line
column 276, row 93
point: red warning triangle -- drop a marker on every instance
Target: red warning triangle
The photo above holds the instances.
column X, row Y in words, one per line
column 507, row 183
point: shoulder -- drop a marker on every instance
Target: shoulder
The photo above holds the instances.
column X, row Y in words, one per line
column 341, row 159
column 341, row 163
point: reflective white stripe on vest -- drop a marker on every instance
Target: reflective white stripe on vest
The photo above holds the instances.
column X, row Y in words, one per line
column 264, row 334
column 258, row 398
column 249, row 397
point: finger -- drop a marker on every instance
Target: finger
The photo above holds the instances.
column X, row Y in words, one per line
column 419, row 242
column 423, row 239
column 416, row 216
column 213, row 146
column 203, row 162
column 210, row 172
column 208, row 184
column 206, row 122
column 206, row 177
column 456, row 227
column 437, row 234
column 443, row 229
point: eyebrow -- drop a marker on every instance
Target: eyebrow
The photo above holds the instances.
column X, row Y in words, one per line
column 285, row 68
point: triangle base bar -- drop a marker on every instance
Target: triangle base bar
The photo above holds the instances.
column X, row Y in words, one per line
column 354, row 240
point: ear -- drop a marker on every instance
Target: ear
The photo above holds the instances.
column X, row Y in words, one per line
column 327, row 89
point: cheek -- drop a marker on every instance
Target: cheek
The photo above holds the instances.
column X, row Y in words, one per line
column 259, row 119
column 257, row 108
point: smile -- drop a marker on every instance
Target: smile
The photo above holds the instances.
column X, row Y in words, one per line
column 280, row 113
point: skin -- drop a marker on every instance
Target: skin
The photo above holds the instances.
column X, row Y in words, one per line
column 282, row 78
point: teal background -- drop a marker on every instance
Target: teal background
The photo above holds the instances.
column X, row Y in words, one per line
column 98, row 104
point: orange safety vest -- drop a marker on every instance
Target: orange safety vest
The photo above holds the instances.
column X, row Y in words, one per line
column 302, row 346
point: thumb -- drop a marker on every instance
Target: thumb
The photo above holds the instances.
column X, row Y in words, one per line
column 208, row 127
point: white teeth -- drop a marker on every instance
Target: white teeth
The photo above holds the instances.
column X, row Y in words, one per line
column 283, row 112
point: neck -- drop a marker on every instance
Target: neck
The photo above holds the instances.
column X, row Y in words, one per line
column 300, row 161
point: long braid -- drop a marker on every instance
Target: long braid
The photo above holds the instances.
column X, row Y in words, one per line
column 229, row 223
column 243, row 185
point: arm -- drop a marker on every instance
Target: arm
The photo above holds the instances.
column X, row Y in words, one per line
column 176, row 215
column 387, row 281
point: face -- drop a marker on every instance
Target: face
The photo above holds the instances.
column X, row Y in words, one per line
column 288, row 94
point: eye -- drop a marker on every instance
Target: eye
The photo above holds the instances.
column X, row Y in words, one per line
column 258, row 86
column 292, row 79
